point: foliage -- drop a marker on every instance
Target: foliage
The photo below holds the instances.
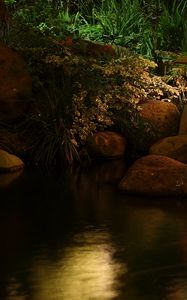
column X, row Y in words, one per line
column 172, row 27
column 10, row 2
column 47, row 130
column 138, row 133
column 82, row 87
column 48, row 141
column 77, row 95
column 143, row 26
column 107, row 87
column 122, row 22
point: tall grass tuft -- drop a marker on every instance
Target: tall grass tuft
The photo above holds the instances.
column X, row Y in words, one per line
column 47, row 132
column 122, row 22
column 171, row 30
column 117, row 22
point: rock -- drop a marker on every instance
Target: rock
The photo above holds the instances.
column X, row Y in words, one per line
column 174, row 147
column 9, row 162
column 183, row 121
column 15, row 84
column 163, row 116
column 156, row 175
column 107, row 144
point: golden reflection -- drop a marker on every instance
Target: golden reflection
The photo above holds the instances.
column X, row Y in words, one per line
column 85, row 270
column 150, row 222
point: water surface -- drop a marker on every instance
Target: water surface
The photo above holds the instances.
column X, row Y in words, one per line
column 73, row 236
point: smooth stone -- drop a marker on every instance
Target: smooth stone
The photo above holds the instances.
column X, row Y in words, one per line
column 155, row 175
column 107, row 144
column 174, row 147
column 163, row 116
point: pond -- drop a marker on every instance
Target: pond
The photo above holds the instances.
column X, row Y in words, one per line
column 73, row 236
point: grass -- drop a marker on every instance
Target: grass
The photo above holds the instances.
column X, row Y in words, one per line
column 172, row 27
column 131, row 23
column 46, row 132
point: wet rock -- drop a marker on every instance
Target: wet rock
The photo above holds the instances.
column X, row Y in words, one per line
column 174, row 147
column 9, row 162
column 183, row 121
column 163, row 116
column 155, row 175
column 15, row 84
column 107, row 144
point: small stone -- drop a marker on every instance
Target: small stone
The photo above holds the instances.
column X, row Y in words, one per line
column 107, row 144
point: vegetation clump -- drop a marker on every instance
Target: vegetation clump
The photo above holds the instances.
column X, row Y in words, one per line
column 95, row 93
column 81, row 86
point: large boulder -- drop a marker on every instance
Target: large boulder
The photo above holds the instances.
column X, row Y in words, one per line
column 183, row 121
column 107, row 144
column 156, row 175
column 163, row 116
column 174, row 147
column 15, row 84
column 9, row 162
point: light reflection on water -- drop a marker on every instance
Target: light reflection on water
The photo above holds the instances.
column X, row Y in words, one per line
column 76, row 238
column 85, row 270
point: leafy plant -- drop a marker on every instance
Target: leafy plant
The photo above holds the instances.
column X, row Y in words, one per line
column 10, row 2
column 49, row 142
column 122, row 22
column 67, row 23
column 91, row 32
column 47, row 131
column 171, row 30
column 139, row 133
column 142, row 26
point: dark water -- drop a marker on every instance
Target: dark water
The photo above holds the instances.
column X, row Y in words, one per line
column 72, row 236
